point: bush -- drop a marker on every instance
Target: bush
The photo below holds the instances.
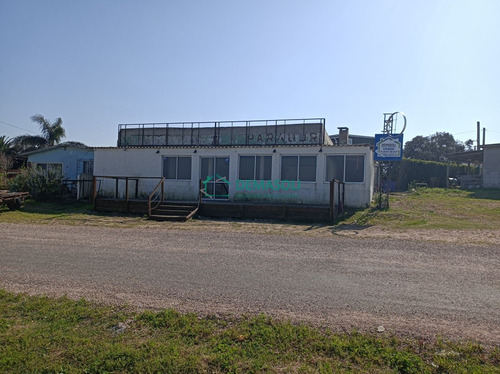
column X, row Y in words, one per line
column 3, row 181
column 43, row 185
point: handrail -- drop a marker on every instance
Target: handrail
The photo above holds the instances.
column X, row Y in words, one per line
column 201, row 190
column 150, row 198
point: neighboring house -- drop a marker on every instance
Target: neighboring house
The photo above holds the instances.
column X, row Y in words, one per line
column 70, row 159
column 491, row 165
column 285, row 161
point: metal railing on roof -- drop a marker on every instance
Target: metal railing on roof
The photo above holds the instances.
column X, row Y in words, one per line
column 224, row 133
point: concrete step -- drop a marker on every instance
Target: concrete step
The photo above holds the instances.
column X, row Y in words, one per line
column 176, row 207
column 163, row 217
column 173, row 212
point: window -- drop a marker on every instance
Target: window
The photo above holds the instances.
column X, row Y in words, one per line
column 307, row 168
column 51, row 168
column 215, row 176
column 177, row 167
column 354, row 168
column 301, row 168
column 345, row 168
column 335, row 168
column 88, row 167
column 255, row 167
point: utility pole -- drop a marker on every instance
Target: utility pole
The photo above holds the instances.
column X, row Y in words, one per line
column 478, row 135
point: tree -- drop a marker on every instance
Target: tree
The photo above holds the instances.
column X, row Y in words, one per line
column 6, row 150
column 432, row 148
column 6, row 144
column 52, row 133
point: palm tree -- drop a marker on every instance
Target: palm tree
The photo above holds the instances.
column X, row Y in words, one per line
column 6, row 148
column 6, row 144
column 52, row 133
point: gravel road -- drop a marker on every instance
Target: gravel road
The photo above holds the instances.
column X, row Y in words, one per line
column 411, row 287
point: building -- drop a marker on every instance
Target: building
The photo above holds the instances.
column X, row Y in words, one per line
column 491, row 165
column 72, row 161
column 272, row 161
column 487, row 160
column 68, row 159
column 344, row 138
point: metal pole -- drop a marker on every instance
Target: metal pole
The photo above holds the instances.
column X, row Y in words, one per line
column 478, row 134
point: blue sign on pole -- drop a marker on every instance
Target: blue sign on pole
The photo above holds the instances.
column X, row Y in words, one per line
column 388, row 147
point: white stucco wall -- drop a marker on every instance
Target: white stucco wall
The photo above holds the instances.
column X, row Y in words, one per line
column 145, row 162
column 491, row 166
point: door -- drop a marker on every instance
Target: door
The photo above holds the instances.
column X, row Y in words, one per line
column 215, row 177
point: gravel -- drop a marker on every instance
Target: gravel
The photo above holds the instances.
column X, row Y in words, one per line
column 408, row 286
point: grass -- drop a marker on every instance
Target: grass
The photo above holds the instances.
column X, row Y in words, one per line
column 435, row 208
column 423, row 208
column 46, row 335
column 69, row 213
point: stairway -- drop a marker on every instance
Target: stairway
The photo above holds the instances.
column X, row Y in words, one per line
column 172, row 211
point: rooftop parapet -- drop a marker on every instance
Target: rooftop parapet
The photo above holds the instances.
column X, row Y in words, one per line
column 309, row 131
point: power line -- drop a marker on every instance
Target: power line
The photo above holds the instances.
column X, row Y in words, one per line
column 17, row 127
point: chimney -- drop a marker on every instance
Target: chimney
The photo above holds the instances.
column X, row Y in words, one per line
column 343, row 135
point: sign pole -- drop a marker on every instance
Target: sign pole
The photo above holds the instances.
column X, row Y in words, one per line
column 388, row 147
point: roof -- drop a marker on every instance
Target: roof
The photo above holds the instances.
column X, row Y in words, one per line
column 471, row 156
column 234, row 146
column 64, row 145
column 495, row 145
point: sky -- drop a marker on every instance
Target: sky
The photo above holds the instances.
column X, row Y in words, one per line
column 97, row 64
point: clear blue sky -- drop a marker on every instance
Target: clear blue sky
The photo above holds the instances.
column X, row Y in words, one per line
column 100, row 63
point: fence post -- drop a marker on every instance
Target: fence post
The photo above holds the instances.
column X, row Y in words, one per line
column 126, row 191
column 340, row 200
column 94, row 190
column 163, row 191
column 200, row 187
column 332, row 200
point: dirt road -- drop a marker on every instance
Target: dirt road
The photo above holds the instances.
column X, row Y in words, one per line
column 408, row 286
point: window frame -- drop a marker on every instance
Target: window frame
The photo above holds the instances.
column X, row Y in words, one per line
column 48, row 166
column 255, row 167
column 163, row 173
column 345, row 167
column 298, row 168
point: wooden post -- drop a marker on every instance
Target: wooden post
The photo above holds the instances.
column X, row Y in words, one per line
column 94, row 190
column 343, row 195
column 116, row 189
column 332, row 200
column 200, row 187
column 162, row 191
column 339, row 200
column 126, row 191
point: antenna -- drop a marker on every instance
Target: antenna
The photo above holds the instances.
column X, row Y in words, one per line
column 391, row 121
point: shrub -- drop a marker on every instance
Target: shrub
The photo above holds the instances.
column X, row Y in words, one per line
column 43, row 185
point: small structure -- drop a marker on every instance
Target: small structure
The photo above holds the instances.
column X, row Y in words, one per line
column 487, row 159
column 491, row 166
column 73, row 161
column 240, row 165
